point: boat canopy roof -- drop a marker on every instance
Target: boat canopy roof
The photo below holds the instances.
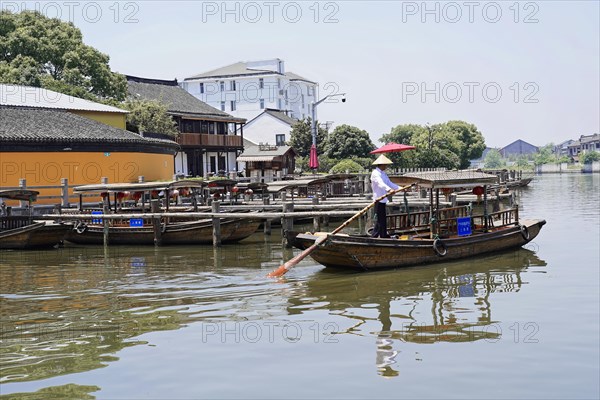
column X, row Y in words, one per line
column 447, row 179
column 19, row 194
column 138, row 187
column 278, row 186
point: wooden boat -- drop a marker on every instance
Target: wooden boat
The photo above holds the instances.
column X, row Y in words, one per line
column 427, row 237
column 149, row 231
column 22, row 231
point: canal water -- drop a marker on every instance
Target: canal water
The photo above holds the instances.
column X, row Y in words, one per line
column 197, row 322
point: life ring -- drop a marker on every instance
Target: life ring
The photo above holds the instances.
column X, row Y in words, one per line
column 524, row 232
column 440, row 247
column 80, row 227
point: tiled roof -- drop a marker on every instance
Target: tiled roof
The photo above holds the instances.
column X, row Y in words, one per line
column 236, row 69
column 440, row 179
column 33, row 97
column 30, row 125
column 295, row 77
column 260, row 153
column 280, row 115
column 177, row 100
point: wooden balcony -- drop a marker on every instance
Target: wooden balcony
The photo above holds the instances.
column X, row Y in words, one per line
column 206, row 140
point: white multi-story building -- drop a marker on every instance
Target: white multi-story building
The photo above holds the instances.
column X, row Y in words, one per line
column 247, row 89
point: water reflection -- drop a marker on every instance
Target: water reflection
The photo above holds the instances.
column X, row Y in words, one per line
column 422, row 305
column 73, row 309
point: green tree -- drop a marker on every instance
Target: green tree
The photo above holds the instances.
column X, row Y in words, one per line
column 301, row 138
column 348, row 141
column 149, row 116
column 522, row 162
column 466, row 141
column 403, row 134
column 47, row 52
column 346, row 165
column 545, row 155
column 590, row 156
column 493, row 160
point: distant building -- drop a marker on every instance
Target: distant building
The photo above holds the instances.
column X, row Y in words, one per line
column 264, row 162
column 270, row 126
column 480, row 162
column 46, row 136
column 210, row 139
column 583, row 144
column 517, row 148
column 562, row 149
column 246, row 89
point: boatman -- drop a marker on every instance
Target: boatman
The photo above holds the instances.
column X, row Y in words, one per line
column 381, row 184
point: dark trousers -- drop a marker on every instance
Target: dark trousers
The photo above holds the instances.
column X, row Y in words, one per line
column 380, row 228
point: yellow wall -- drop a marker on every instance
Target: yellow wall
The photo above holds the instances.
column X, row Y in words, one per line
column 109, row 118
column 42, row 169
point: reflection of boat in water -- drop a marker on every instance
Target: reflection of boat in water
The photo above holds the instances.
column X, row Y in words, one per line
column 428, row 236
column 148, row 231
column 420, row 305
column 22, row 231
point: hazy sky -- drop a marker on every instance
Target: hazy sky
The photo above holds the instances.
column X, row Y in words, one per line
column 517, row 70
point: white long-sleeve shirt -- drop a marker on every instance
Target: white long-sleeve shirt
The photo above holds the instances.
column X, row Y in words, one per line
column 381, row 184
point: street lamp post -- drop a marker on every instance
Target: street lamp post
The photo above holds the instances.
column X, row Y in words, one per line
column 313, row 108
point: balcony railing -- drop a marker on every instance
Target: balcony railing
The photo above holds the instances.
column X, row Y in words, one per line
column 206, row 140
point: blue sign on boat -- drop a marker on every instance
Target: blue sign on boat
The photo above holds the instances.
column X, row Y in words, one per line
column 136, row 222
column 96, row 220
column 464, row 226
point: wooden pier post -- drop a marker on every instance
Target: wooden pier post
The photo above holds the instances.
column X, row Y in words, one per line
column 155, row 208
column 287, row 223
column 316, row 219
column 267, row 227
column 216, row 224
column 64, row 192
column 22, row 185
column 105, row 226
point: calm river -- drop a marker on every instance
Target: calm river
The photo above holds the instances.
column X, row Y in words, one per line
column 198, row 322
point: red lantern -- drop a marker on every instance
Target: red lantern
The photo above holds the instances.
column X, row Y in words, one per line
column 104, row 194
column 235, row 189
column 154, row 194
column 137, row 195
column 120, row 196
column 478, row 190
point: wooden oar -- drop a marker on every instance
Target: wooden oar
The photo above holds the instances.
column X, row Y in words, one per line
column 292, row 263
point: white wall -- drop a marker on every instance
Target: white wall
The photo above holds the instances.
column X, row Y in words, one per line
column 278, row 92
column 264, row 128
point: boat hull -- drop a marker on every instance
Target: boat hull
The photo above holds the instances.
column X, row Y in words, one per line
column 177, row 233
column 36, row 235
column 365, row 253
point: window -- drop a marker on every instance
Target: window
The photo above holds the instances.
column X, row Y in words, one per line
column 302, row 100
column 279, row 104
column 261, row 83
column 222, row 85
column 201, row 88
column 280, row 140
column 262, row 104
column 278, row 83
column 222, row 106
column 232, row 85
column 232, row 105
